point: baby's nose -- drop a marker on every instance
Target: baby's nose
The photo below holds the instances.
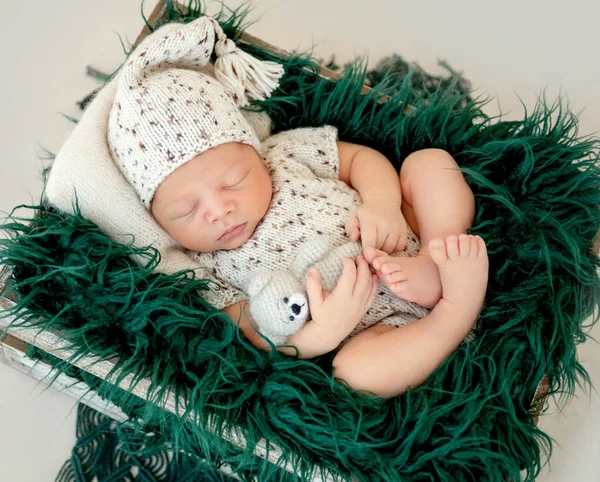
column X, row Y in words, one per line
column 218, row 211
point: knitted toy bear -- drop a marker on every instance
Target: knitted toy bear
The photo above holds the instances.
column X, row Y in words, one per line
column 278, row 299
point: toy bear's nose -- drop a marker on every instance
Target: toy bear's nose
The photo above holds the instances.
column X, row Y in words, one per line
column 296, row 308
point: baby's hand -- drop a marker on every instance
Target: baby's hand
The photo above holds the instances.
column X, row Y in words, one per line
column 341, row 310
column 379, row 224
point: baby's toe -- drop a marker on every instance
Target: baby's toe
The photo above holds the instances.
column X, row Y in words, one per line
column 370, row 253
column 395, row 277
column 452, row 247
column 464, row 245
column 387, row 265
column 380, row 261
column 474, row 246
column 398, row 288
column 437, row 251
column 481, row 247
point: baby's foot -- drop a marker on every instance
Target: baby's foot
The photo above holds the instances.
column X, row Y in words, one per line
column 415, row 279
column 463, row 265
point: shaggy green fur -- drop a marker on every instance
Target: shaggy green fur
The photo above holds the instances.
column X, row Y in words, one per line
column 536, row 186
column 106, row 449
column 113, row 453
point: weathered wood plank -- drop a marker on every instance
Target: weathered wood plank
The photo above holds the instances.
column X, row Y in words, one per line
column 12, row 353
column 51, row 343
column 160, row 13
column 5, row 273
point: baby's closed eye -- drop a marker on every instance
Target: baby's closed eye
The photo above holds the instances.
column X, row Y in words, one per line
column 184, row 211
column 236, row 179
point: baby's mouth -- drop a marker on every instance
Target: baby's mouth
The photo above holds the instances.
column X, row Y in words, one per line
column 233, row 232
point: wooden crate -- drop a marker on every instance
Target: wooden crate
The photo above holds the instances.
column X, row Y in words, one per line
column 14, row 345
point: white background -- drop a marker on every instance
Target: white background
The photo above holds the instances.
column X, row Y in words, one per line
column 509, row 50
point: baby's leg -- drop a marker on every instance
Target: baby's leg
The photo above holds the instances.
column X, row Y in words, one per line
column 386, row 360
column 436, row 202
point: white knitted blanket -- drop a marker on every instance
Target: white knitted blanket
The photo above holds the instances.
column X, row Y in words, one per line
column 309, row 199
column 84, row 169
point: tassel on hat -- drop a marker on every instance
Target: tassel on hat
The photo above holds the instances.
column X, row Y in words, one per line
column 243, row 75
column 166, row 111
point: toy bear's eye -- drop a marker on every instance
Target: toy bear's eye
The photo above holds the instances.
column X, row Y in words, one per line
column 285, row 300
column 291, row 318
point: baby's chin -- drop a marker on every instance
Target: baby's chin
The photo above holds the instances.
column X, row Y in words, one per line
column 229, row 247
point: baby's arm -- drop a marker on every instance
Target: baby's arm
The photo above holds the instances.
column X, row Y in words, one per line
column 386, row 361
column 240, row 315
column 334, row 315
column 378, row 221
column 311, row 341
column 369, row 172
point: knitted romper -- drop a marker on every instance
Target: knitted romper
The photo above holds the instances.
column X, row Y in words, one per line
column 308, row 199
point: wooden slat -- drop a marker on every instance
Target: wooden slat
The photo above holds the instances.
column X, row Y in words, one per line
column 4, row 276
column 324, row 72
column 13, row 354
column 540, row 399
column 51, row 343
column 160, row 13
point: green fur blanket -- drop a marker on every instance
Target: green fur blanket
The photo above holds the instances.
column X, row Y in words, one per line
column 536, row 188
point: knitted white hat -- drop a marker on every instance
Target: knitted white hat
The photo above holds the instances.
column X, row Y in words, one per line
column 166, row 112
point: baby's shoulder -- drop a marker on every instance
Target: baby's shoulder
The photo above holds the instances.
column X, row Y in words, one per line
column 304, row 152
column 302, row 136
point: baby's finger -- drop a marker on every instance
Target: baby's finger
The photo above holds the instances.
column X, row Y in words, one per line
column 390, row 242
column 346, row 281
column 374, row 280
column 314, row 289
column 401, row 243
column 363, row 277
column 368, row 234
column 352, row 228
column 402, row 239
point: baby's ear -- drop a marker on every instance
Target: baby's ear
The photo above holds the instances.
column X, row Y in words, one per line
column 259, row 282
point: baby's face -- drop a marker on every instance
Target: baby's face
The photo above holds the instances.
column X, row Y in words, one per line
column 216, row 200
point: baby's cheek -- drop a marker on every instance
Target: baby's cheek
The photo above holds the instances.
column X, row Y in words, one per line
column 265, row 193
column 193, row 238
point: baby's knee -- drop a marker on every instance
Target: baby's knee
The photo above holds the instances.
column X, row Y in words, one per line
column 427, row 158
column 348, row 371
column 353, row 365
column 361, row 377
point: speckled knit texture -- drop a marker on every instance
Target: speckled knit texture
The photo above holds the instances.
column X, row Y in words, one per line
column 536, row 186
column 308, row 199
column 166, row 111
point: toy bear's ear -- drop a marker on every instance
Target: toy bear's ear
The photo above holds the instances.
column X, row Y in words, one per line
column 258, row 283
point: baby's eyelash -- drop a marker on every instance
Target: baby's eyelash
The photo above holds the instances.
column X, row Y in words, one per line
column 233, row 185
column 243, row 177
column 187, row 213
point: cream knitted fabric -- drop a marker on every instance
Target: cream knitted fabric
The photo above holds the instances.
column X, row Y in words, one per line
column 85, row 174
column 308, row 199
column 166, row 111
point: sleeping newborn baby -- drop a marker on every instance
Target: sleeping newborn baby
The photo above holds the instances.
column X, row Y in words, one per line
column 241, row 207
